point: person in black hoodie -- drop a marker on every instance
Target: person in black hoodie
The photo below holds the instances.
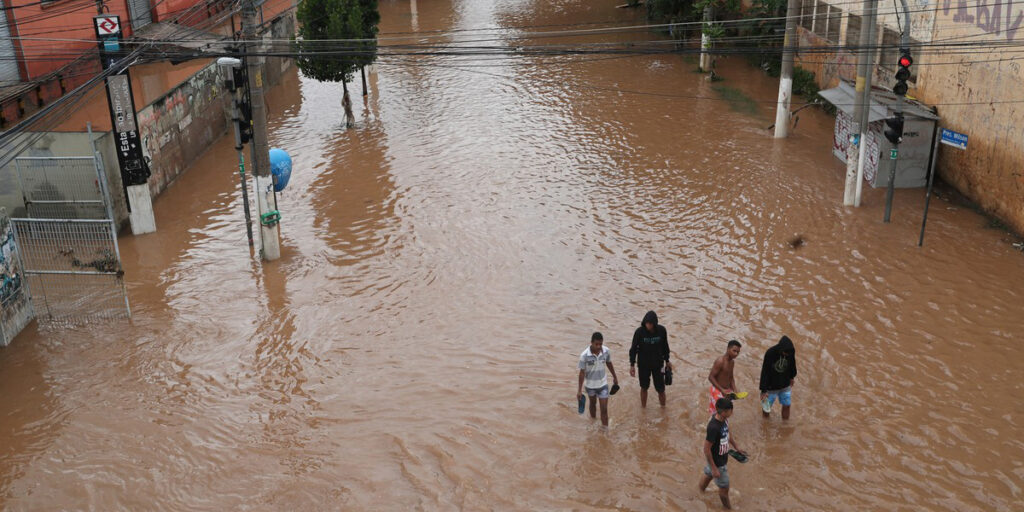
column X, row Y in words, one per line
column 777, row 374
column 650, row 350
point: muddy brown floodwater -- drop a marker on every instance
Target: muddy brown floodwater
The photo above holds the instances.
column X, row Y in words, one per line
column 444, row 263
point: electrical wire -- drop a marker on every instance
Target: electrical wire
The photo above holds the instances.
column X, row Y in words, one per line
column 61, row 108
column 654, row 93
column 458, row 48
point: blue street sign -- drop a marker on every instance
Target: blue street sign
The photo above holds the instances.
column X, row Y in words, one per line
column 955, row 139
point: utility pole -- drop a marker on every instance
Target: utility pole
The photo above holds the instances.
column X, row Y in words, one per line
column 863, row 68
column 270, row 242
column 705, row 39
column 789, row 46
column 125, row 126
column 863, row 100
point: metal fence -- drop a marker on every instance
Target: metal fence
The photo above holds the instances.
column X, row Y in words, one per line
column 68, row 243
column 73, row 268
column 61, row 187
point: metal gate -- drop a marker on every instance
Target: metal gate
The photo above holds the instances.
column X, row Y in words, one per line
column 68, row 243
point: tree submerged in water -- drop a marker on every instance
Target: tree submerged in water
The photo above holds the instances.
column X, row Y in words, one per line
column 336, row 37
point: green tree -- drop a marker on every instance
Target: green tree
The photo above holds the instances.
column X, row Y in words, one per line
column 336, row 37
column 671, row 11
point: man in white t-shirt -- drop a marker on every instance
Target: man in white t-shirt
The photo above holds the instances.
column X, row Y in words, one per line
column 593, row 377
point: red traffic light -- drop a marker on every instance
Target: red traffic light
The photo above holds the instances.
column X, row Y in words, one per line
column 906, row 61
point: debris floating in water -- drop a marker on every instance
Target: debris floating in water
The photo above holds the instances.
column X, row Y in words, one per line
column 797, row 241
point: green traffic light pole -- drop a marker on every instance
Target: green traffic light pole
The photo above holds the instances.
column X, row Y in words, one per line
column 898, row 108
column 228, row 64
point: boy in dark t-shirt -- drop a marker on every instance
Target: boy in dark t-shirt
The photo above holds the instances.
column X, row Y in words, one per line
column 716, row 450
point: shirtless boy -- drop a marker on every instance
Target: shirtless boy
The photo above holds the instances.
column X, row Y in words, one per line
column 722, row 380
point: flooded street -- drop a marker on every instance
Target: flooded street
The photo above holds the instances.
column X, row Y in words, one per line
column 444, row 263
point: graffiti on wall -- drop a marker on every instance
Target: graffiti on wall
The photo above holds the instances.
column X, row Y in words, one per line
column 841, row 141
column 998, row 17
column 176, row 127
column 15, row 307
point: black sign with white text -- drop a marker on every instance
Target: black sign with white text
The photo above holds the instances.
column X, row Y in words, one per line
column 134, row 170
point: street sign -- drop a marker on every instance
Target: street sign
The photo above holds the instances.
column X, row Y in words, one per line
column 107, row 25
column 892, row 153
column 127, row 142
column 955, row 139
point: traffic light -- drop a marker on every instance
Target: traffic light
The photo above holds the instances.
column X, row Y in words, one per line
column 894, row 128
column 903, row 72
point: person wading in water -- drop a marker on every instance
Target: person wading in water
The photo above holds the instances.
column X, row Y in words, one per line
column 593, row 377
column 778, row 371
column 721, row 377
column 716, row 451
column 650, row 350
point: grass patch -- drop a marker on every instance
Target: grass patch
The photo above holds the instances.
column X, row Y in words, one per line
column 737, row 99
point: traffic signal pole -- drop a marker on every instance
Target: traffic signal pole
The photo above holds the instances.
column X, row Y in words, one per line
column 900, row 89
column 231, row 65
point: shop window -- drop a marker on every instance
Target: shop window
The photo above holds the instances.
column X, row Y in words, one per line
column 853, row 31
column 807, row 14
column 835, row 19
column 821, row 19
column 890, row 50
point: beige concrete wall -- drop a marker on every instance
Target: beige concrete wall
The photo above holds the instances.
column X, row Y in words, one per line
column 982, row 96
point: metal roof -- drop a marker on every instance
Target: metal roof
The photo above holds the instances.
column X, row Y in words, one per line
column 182, row 36
column 881, row 102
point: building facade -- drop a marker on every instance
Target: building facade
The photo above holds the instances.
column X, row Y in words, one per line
column 48, row 47
column 965, row 64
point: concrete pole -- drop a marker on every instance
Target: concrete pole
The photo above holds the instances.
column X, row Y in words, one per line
column 853, row 150
column 270, row 243
column 125, row 124
column 868, row 23
column 789, row 46
column 705, row 40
